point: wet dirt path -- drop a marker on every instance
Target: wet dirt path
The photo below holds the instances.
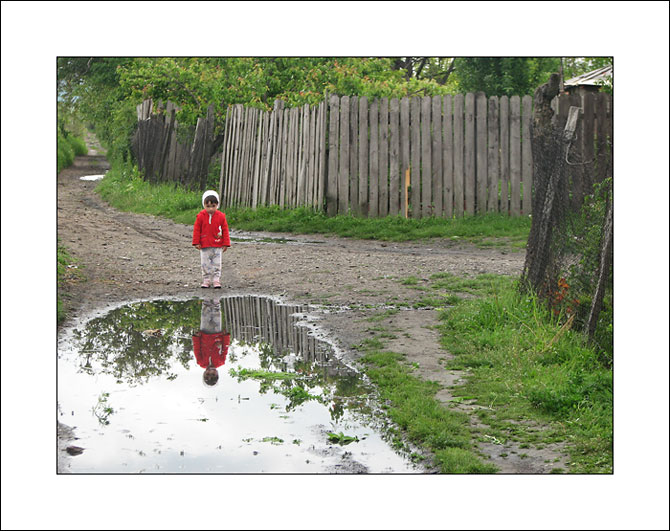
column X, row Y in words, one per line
column 125, row 256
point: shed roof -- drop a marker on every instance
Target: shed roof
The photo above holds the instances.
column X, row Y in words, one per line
column 595, row 77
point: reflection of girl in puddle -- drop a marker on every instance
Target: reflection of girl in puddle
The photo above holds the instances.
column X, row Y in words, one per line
column 210, row 344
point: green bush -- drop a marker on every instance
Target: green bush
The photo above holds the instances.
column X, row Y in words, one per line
column 65, row 152
column 78, row 145
column 69, row 147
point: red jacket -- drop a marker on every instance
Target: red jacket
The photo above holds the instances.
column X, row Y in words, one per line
column 211, row 346
column 206, row 228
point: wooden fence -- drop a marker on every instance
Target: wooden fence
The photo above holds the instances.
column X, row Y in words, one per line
column 590, row 154
column 254, row 320
column 432, row 156
column 168, row 152
column 441, row 155
column 274, row 158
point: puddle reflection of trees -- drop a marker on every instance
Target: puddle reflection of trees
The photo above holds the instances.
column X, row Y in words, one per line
column 144, row 340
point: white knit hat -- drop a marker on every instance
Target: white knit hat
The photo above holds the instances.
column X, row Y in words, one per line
column 208, row 193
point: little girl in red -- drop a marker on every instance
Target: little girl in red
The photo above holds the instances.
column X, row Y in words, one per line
column 210, row 236
column 211, row 342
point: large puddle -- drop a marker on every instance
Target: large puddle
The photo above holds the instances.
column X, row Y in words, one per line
column 236, row 384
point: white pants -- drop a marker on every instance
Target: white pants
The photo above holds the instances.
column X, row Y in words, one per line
column 210, row 316
column 210, row 260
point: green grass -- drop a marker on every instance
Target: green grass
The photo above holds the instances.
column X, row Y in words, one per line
column 124, row 189
column 63, row 260
column 486, row 230
column 537, row 382
column 421, row 417
column 67, row 148
column 245, row 374
column 525, row 365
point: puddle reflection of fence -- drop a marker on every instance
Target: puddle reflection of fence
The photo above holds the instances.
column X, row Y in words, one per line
column 254, row 319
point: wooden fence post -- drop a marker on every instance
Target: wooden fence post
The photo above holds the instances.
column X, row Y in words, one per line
column 436, row 163
column 526, row 156
column 481, row 109
column 459, row 150
column 492, row 163
column 394, row 157
column 470, row 176
column 363, row 156
column 448, row 157
column 333, row 148
column 415, row 156
column 426, row 159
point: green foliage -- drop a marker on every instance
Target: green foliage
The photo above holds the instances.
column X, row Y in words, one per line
column 63, row 261
column 78, row 146
column 133, row 356
column 341, row 439
column 89, row 89
column 193, row 83
column 504, row 76
column 124, row 188
column 525, row 364
column 576, row 66
column 68, row 147
column 65, row 153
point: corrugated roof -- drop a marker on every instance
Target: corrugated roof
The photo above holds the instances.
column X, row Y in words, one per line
column 595, row 77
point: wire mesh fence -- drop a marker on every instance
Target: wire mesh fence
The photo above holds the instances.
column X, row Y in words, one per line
column 570, row 247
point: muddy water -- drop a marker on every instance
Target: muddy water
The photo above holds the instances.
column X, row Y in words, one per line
column 216, row 385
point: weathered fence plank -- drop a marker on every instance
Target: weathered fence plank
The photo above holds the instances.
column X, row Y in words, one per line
column 333, row 158
column 323, row 110
column 302, row 159
column 459, row 152
column 426, row 159
column 481, row 129
column 257, row 162
column 353, row 156
column 436, row 148
column 383, row 157
column 415, row 158
column 343, row 178
column 515, row 154
column 363, row 156
column 404, row 151
column 281, row 179
column 448, row 157
column 492, row 162
column 373, row 202
column 588, row 123
column 394, row 157
column 504, row 155
column 576, row 153
column 526, row 156
column 316, row 130
column 470, row 176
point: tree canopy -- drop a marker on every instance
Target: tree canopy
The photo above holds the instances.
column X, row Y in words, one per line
column 105, row 90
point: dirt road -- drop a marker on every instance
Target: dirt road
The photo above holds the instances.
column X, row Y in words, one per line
column 125, row 256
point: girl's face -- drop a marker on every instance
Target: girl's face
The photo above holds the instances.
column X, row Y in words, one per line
column 210, row 207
